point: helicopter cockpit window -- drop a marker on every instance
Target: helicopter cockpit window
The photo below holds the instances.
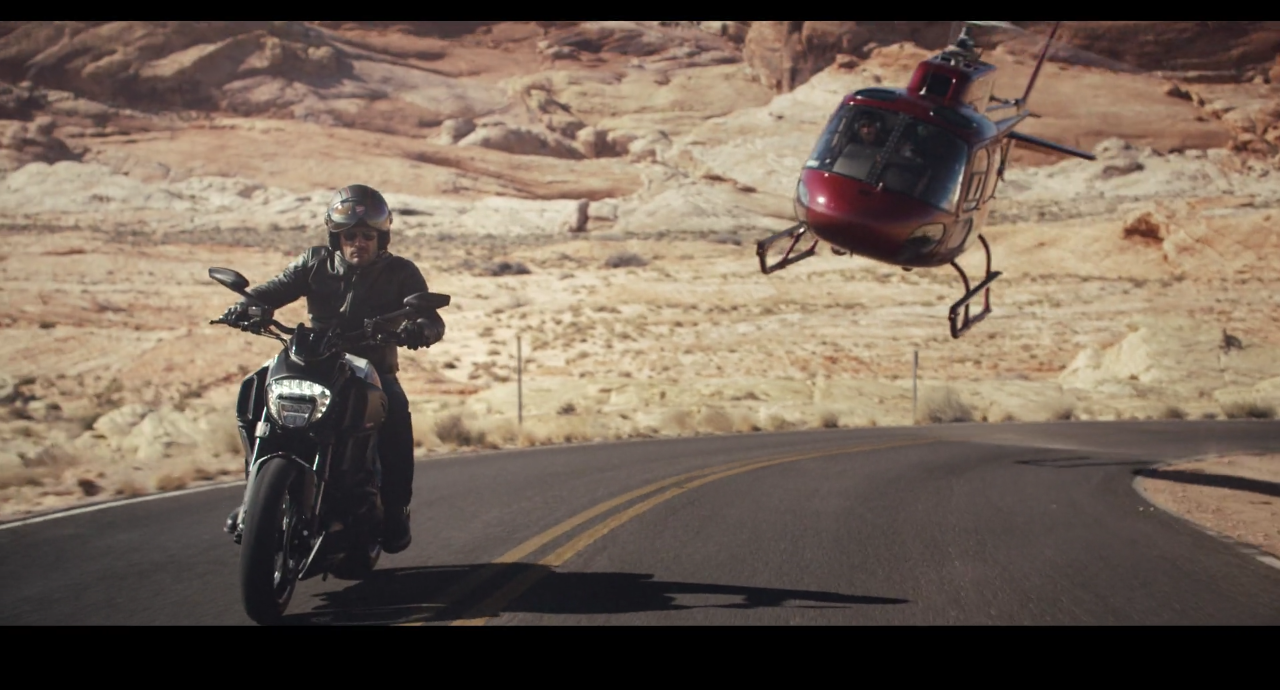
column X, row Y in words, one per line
column 852, row 140
column 909, row 156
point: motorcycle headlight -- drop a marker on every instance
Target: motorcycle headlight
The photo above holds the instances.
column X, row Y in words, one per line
column 296, row 403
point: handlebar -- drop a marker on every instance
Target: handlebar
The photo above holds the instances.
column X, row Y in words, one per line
column 375, row 330
column 378, row 330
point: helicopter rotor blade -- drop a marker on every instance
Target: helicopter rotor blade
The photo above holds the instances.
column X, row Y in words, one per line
column 1061, row 51
column 1002, row 25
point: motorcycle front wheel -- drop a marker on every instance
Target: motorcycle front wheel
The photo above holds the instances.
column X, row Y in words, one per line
column 271, row 553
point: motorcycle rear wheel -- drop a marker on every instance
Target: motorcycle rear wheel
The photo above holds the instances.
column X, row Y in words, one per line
column 269, row 553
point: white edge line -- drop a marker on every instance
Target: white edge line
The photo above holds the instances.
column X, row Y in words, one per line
column 1270, row 560
column 113, row 504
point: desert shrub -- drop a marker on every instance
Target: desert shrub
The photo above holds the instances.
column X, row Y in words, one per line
column 715, row 420
column 1173, row 412
column 1248, row 410
column 1064, row 412
column 944, row 407
column 505, row 268
column 454, row 429
column 625, row 259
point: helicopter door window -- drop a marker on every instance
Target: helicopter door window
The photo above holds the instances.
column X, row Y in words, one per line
column 979, row 175
column 927, row 163
column 959, row 236
column 993, row 175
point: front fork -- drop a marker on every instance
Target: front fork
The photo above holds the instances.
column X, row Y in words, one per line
column 313, row 482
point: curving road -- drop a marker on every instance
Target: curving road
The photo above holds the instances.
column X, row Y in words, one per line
column 959, row 524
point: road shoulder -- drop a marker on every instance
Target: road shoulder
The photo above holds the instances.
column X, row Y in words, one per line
column 1234, row 496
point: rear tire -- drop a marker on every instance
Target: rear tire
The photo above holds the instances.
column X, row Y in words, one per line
column 269, row 557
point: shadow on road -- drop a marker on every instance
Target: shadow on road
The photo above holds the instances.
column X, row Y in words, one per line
column 1219, row 481
column 1081, row 461
column 404, row 595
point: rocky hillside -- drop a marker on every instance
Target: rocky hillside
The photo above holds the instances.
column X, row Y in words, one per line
column 459, row 82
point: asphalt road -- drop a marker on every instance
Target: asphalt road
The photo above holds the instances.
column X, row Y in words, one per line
column 962, row 524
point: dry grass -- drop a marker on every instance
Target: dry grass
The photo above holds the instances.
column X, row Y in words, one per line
column 505, row 268
column 13, row 479
column 716, row 420
column 455, row 430
column 570, row 424
column 625, row 260
column 42, row 467
column 221, row 436
column 944, row 406
column 54, row 458
column 678, row 422
column 545, row 430
column 131, row 487
column 172, row 481
column 776, row 421
column 1173, row 412
column 1248, row 410
column 1062, row 412
column 89, row 486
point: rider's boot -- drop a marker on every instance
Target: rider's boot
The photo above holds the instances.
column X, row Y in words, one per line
column 395, row 530
column 367, row 506
column 233, row 524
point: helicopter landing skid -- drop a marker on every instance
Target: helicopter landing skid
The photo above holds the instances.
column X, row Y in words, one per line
column 794, row 232
column 959, row 328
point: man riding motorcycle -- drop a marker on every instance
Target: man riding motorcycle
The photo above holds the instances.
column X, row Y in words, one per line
column 352, row 279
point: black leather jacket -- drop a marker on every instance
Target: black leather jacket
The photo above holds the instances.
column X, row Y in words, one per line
column 339, row 293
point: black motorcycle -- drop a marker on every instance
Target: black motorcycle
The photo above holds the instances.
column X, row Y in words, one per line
column 312, row 503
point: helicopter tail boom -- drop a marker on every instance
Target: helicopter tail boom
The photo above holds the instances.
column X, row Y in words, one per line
column 1046, row 145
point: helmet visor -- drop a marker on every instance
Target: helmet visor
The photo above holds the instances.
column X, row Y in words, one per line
column 349, row 212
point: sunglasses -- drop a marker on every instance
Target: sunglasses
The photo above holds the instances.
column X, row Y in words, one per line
column 366, row 235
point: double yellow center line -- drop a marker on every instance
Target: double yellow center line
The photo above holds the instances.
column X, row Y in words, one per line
column 493, row 605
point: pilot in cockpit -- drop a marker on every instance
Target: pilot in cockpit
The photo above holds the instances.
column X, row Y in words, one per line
column 867, row 138
column 868, row 130
column 910, row 144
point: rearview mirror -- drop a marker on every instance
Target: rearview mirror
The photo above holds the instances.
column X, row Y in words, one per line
column 424, row 301
column 229, row 278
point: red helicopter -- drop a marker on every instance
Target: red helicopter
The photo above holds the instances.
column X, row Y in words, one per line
column 905, row 175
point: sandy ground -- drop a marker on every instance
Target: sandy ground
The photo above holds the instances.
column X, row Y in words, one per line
column 1234, row 495
column 629, row 280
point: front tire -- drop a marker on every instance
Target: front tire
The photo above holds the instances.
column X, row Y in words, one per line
column 269, row 553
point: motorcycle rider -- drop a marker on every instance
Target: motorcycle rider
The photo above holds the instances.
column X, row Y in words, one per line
column 351, row 279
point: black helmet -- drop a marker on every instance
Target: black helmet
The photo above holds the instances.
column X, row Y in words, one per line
column 358, row 204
